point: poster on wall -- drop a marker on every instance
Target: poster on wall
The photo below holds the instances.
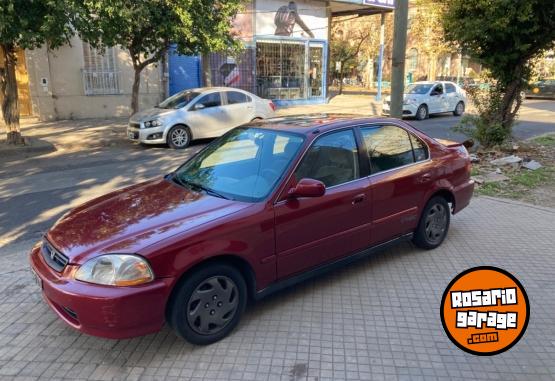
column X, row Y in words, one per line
column 298, row 19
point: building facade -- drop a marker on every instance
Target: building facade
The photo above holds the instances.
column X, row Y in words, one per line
column 77, row 81
column 285, row 59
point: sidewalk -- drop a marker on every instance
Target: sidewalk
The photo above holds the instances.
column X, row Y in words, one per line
column 377, row 319
column 75, row 135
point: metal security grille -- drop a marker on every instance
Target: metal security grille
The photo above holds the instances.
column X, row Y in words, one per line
column 233, row 71
column 281, row 69
column 100, row 75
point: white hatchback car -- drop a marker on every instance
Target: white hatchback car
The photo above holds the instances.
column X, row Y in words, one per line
column 421, row 99
column 196, row 114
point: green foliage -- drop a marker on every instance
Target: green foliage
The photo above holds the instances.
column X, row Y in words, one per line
column 486, row 126
column 502, row 34
column 545, row 140
column 29, row 24
column 147, row 27
column 505, row 36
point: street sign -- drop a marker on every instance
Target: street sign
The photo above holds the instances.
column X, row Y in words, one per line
column 389, row 4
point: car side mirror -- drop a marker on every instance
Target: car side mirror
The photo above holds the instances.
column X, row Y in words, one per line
column 199, row 106
column 308, row 188
column 434, row 93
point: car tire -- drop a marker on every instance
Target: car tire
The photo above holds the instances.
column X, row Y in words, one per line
column 208, row 305
column 459, row 109
column 433, row 225
column 422, row 112
column 179, row 137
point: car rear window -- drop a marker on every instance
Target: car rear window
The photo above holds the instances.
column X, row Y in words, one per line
column 388, row 147
column 235, row 97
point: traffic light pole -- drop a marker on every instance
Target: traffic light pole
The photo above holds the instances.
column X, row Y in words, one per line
column 398, row 59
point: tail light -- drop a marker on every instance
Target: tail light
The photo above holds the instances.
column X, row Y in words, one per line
column 272, row 106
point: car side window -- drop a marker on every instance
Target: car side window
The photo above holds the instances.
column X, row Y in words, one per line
column 235, row 97
column 449, row 88
column 210, row 100
column 332, row 159
column 437, row 90
column 388, row 147
column 419, row 148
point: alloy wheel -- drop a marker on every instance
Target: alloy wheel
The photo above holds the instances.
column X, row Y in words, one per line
column 460, row 108
column 179, row 137
column 212, row 305
column 436, row 221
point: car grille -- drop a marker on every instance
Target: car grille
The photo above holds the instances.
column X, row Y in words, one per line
column 134, row 125
column 53, row 257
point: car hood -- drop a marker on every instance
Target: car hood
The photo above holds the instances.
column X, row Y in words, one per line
column 131, row 219
column 151, row 113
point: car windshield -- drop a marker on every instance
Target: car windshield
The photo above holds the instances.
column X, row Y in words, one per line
column 245, row 164
column 421, row 88
column 179, row 100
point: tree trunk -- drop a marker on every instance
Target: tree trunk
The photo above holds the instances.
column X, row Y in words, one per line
column 341, row 79
column 135, row 90
column 509, row 109
column 8, row 89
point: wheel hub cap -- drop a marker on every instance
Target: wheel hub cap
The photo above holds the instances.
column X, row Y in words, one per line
column 212, row 305
column 179, row 137
column 436, row 221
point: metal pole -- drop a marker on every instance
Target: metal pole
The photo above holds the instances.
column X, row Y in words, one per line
column 398, row 59
column 380, row 57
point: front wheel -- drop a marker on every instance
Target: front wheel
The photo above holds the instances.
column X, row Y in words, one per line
column 209, row 304
column 433, row 225
column 459, row 109
column 179, row 137
column 422, row 112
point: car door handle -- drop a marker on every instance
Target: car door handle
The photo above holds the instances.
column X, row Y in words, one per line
column 425, row 178
column 358, row 199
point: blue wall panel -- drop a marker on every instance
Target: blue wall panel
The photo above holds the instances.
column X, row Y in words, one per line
column 184, row 72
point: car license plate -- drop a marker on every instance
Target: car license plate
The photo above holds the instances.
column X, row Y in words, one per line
column 36, row 278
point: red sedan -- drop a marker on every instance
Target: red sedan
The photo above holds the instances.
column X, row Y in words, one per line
column 263, row 207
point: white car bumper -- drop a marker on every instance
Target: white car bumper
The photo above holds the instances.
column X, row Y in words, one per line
column 408, row 109
column 152, row 135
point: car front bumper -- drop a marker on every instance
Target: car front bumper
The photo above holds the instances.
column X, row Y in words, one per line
column 408, row 109
column 152, row 135
column 105, row 311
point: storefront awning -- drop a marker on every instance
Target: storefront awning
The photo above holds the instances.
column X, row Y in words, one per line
column 360, row 7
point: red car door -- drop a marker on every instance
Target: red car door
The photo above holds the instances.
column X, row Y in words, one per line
column 400, row 176
column 312, row 231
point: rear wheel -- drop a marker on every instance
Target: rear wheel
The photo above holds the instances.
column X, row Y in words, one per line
column 209, row 304
column 433, row 225
column 459, row 109
column 422, row 112
column 179, row 137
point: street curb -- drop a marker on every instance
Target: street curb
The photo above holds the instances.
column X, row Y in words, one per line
column 519, row 203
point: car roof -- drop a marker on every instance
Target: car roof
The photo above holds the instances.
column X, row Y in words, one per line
column 216, row 88
column 317, row 123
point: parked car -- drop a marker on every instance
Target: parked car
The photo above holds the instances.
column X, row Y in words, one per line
column 541, row 89
column 197, row 113
column 421, row 99
column 263, row 207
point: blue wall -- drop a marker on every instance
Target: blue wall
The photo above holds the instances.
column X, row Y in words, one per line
column 184, row 72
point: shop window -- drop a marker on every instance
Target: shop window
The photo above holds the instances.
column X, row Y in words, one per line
column 100, row 74
column 287, row 69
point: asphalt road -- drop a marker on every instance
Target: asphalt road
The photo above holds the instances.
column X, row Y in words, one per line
column 536, row 117
column 35, row 192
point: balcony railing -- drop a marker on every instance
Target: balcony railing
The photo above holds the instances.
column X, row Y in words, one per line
column 101, row 82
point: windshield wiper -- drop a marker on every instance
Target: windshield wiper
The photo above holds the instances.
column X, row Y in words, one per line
column 184, row 183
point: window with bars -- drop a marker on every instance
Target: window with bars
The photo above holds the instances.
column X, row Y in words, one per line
column 100, row 74
column 280, row 69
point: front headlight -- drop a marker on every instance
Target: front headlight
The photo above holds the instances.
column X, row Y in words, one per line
column 116, row 270
column 153, row 123
column 409, row 101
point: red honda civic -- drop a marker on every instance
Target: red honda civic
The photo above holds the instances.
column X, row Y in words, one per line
column 261, row 208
